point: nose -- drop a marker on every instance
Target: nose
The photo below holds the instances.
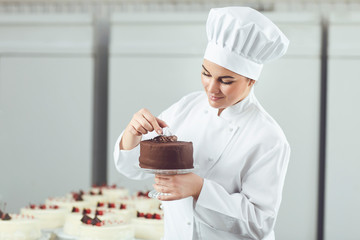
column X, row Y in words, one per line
column 213, row 86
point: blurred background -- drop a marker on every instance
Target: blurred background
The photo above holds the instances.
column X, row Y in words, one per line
column 72, row 74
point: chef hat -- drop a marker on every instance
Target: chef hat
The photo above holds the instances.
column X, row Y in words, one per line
column 241, row 39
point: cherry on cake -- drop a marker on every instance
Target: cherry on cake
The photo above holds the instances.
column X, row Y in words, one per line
column 165, row 152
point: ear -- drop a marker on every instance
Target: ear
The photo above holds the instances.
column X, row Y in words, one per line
column 251, row 82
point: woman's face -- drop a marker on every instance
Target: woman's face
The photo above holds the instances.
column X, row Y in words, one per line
column 222, row 86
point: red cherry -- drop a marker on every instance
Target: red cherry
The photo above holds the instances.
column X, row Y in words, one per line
column 111, row 205
column 98, row 224
column 32, row 206
column 122, row 206
column 99, row 212
column 148, row 215
column 100, row 204
column 88, row 221
column 42, row 206
column 75, row 209
column 157, row 216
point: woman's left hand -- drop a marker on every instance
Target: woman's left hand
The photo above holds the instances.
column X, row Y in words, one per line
column 178, row 186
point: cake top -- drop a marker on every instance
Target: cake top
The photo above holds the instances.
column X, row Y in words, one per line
column 164, row 139
column 42, row 207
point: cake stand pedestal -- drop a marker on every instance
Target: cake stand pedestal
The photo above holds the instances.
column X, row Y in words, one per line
column 155, row 194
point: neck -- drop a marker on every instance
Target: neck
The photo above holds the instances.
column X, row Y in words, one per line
column 220, row 110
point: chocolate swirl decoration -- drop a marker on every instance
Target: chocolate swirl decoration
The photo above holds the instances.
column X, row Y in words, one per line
column 164, row 139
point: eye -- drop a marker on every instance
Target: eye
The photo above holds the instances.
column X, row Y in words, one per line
column 205, row 74
column 226, row 83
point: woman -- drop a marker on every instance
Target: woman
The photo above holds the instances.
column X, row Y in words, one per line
column 241, row 152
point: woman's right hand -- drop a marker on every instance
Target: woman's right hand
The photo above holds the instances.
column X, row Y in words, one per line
column 141, row 123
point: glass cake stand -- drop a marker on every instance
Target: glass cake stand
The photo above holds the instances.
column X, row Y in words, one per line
column 155, row 194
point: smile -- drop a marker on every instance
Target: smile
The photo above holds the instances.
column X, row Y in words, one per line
column 213, row 98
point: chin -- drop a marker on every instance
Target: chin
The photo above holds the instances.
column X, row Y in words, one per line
column 215, row 105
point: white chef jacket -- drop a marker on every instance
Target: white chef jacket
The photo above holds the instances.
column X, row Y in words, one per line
column 242, row 155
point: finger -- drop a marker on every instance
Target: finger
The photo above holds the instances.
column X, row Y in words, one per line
column 146, row 124
column 133, row 131
column 169, row 197
column 152, row 120
column 161, row 123
column 161, row 188
column 161, row 180
column 138, row 127
column 163, row 177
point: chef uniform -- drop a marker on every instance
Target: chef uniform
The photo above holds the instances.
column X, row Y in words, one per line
column 242, row 155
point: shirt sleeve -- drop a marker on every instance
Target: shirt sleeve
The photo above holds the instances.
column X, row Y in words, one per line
column 252, row 212
column 127, row 161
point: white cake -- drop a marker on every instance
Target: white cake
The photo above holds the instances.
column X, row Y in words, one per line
column 114, row 193
column 149, row 226
column 19, row 227
column 94, row 199
column 124, row 211
column 73, row 220
column 109, row 230
column 67, row 203
column 141, row 203
column 49, row 216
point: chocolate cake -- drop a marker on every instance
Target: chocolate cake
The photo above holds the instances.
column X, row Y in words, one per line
column 165, row 152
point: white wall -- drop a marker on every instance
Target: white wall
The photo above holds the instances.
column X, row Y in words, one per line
column 343, row 129
column 289, row 89
column 46, row 77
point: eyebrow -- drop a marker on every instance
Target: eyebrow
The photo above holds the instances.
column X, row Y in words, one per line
column 219, row 77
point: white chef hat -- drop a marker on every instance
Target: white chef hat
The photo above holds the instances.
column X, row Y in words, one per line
column 241, row 39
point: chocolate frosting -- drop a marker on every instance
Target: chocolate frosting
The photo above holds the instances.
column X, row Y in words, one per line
column 165, row 152
column 164, row 139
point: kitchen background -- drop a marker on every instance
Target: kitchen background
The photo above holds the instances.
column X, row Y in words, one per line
column 72, row 74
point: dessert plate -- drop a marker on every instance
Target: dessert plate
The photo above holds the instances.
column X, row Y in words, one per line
column 63, row 236
column 168, row 171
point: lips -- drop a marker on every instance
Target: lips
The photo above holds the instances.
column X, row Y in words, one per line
column 214, row 98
